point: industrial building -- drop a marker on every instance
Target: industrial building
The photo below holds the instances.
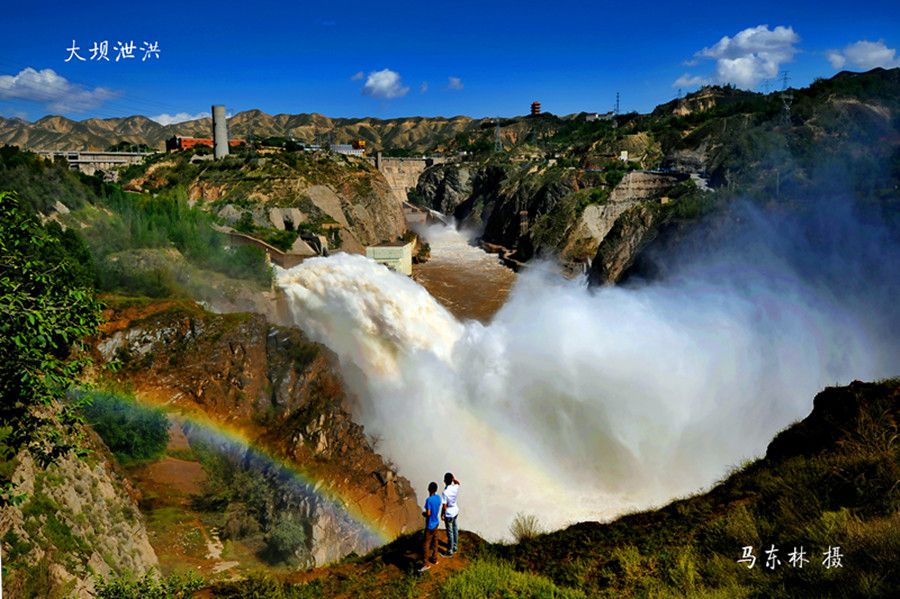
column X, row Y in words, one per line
column 178, row 142
column 396, row 256
column 357, row 148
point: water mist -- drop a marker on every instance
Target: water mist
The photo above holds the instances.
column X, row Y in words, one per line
column 579, row 404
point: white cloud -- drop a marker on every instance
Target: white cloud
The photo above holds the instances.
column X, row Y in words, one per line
column 384, row 84
column 53, row 90
column 864, row 55
column 358, row 76
column 423, row 87
column 688, row 80
column 454, row 83
column 180, row 117
column 751, row 56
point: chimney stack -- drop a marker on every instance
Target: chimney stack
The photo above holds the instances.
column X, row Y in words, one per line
column 220, row 132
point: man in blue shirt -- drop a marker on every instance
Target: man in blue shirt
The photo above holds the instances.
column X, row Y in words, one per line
column 432, row 514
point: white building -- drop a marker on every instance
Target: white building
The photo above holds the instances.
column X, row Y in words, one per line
column 396, row 256
column 347, row 149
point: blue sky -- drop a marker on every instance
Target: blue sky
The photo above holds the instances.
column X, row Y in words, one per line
column 376, row 59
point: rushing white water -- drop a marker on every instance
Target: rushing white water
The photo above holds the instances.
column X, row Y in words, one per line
column 574, row 404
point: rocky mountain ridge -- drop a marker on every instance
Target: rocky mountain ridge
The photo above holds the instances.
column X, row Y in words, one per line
column 414, row 134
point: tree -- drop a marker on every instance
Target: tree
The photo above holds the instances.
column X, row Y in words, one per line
column 47, row 308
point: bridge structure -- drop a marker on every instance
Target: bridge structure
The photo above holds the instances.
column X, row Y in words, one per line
column 90, row 162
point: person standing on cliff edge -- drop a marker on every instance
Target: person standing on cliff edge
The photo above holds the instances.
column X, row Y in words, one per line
column 451, row 513
column 432, row 516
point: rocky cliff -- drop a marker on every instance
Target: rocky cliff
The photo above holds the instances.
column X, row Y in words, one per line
column 78, row 519
column 343, row 199
column 587, row 220
column 279, row 390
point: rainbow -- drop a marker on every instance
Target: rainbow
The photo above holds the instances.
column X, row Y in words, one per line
column 234, row 438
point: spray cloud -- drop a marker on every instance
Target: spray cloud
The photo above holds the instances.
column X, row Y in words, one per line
column 578, row 404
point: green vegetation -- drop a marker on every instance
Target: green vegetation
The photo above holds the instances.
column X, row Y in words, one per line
column 247, row 496
column 143, row 221
column 495, row 579
column 41, row 183
column 260, row 586
column 131, row 431
column 828, row 481
column 151, row 586
column 283, row 240
column 105, row 221
column 47, row 310
column 126, row 146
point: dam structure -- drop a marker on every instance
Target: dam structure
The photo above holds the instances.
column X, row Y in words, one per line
column 403, row 174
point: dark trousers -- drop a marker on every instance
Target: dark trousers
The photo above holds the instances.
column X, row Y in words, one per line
column 429, row 551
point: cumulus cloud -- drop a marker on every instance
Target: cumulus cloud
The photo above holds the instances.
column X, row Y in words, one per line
column 53, row 90
column 688, row 80
column 751, row 56
column 385, row 84
column 358, row 76
column 864, row 55
column 180, row 117
column 454, row 83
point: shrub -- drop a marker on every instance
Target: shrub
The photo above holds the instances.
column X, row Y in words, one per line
column 286, row 537
column 150, row 586
column 131, row 431
column 525, row 527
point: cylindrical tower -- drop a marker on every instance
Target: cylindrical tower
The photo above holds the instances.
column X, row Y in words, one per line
column 220, row 132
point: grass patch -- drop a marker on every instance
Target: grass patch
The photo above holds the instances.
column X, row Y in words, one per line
column 489, row 578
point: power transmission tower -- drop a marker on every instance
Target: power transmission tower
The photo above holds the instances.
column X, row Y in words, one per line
column 787, row 98
column 498, row 143
column 617, row 103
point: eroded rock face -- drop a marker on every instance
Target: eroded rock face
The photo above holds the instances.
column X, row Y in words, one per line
column 632, row 231
column 280, row 389
column 609, row 236
column 446, row 186
column 536, row 213
column 78, row 520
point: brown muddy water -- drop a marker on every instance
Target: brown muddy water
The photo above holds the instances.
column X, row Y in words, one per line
column 466, row 280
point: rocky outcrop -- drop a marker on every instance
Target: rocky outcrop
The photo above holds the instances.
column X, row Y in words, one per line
column 279, row 388
column 343, row 197
column 542, row 211
column 446, row 186
column 78, row 519
column 633, row 229
column 609, row 235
